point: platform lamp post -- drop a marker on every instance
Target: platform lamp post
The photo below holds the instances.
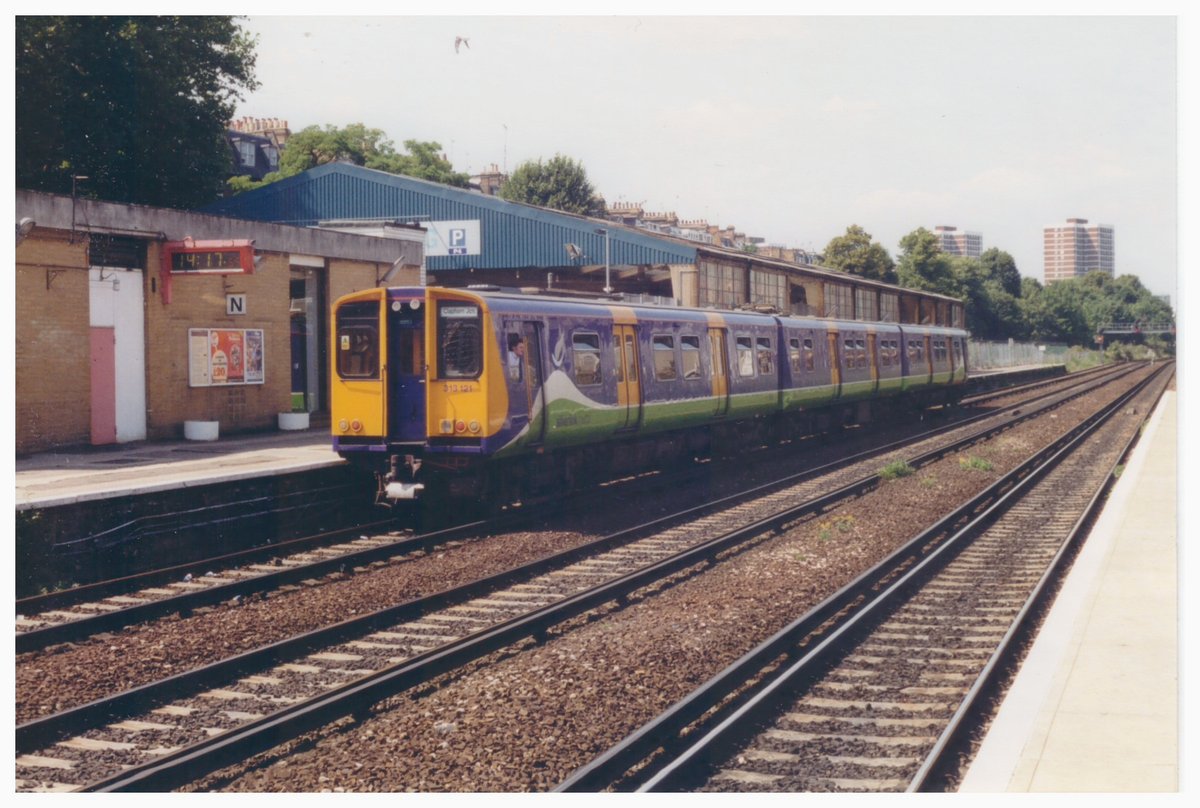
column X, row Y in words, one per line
column 603, row 231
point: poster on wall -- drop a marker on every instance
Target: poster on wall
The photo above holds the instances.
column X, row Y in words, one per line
column 220, row 356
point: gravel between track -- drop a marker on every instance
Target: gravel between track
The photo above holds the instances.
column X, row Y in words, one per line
column 527, row 719
column 71, row 674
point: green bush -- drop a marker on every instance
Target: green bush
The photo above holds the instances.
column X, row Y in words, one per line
column 895, row 470
column 976, row 463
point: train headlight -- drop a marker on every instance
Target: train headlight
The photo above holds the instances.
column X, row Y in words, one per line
column 460, row 426
column 343, row 425
column 474, row 427
column 447, row 426
column 356, row 425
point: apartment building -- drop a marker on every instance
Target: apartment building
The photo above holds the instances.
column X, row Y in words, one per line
column 959, row 242
column 1076, row 248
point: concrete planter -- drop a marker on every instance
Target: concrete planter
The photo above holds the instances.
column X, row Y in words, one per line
column 201, row 430
column 293, row 420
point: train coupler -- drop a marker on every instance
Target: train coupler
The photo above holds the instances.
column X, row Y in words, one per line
column 392, row 486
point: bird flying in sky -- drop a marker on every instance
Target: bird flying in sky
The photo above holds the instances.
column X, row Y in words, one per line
column 461, row 40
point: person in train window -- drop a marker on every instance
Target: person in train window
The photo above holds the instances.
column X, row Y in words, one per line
column 516, row 355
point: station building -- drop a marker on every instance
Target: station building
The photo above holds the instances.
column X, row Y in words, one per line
column 478, row 238
column 132, row 320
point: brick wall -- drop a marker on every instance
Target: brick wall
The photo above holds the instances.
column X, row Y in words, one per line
column 53, row 361
column 52, row 350
column 354, row 276
column 199, row 302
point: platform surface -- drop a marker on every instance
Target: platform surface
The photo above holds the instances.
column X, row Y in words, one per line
column 62, row 478
column 1095, row 707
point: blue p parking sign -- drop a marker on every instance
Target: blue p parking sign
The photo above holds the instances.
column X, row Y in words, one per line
column 458, row 241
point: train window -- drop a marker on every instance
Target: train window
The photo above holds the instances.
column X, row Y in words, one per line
column 809, row 355
column 689, row 348
column 631, row 369
column 765, row 356
column 358, row 340
column 861, row 349
column 745, row 356
column 664, row 357
column 515, row 363
column 794, row 360
column 460, row 340
column 848, row 353
column 585, row 355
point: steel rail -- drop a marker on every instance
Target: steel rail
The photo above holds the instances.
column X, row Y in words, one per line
column 1078, row 377
column 35, row 639
column 39, row 732
column 937, row 762
column 980, row 510
column 163, row 575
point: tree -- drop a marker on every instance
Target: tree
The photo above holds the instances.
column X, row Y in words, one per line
column 856, row 254
column 138, row 105
column 1000, row 267
column 355, row 143
column 560, row 183
column 923, row 265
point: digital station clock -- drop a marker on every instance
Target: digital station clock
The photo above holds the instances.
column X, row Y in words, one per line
column 205, row 257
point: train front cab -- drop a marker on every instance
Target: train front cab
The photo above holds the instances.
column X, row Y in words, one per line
column 378, row 381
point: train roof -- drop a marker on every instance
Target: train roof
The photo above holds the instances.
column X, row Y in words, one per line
column 659, row 310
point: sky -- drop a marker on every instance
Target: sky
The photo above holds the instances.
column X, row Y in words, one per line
column 791, row 128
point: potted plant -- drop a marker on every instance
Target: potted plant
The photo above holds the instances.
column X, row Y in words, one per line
column 297, row 418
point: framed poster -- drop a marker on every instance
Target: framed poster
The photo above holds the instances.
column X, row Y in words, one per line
column 221, row 356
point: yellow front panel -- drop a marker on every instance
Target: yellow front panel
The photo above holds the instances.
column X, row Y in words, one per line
column 358, row 401
column 464, row 407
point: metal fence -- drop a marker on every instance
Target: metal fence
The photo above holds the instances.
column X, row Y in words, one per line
column 986, row 355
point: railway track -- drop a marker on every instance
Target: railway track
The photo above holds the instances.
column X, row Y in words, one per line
column 876, row 688
column 232, row 708
column 75, row 614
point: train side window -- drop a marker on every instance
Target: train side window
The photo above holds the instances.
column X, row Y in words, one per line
column 689, row 348
column 585, row 355
column 794, row 360
column 765, row 356
column 810, row 361
column 745, row 356
column 860, row 348
column 664, row 357
column 848, row 346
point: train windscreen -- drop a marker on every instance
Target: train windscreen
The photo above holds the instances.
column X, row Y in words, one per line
column 460, row 340
column 358, row 340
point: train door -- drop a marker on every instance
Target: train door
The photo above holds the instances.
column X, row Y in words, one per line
column 873, row 358
column 718, row 341
column 629, row 388
column 835, row 364
column 525, row 395
column 405, row 371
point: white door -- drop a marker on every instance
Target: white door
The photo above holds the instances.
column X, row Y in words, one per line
column 116, row 302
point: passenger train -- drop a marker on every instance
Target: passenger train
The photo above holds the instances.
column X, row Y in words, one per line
column 484, row 393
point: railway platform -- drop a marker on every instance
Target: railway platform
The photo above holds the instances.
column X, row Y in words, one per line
column 59, row 478
column 1095, row 706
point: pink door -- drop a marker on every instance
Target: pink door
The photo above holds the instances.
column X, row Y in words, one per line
column 104, row 385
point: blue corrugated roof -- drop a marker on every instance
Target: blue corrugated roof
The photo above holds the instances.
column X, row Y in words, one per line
column 512, row 235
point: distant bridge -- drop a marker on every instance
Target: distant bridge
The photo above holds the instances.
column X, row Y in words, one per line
column 1136, row 328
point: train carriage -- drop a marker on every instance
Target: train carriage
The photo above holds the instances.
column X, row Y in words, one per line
column 477, row 389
